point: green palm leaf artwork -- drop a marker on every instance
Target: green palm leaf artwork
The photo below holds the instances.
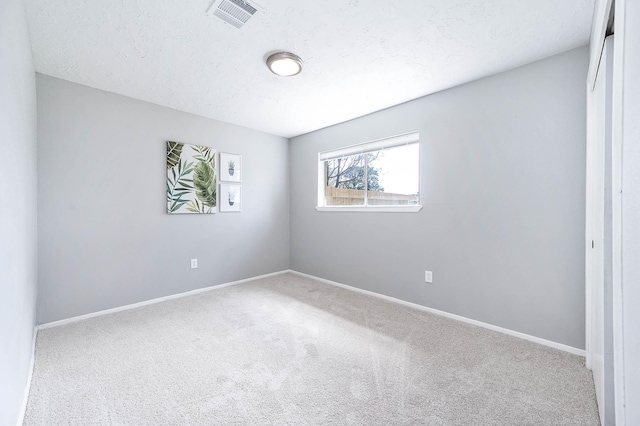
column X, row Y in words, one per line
column 191, row 179
column 204, row 180
column 173, row 153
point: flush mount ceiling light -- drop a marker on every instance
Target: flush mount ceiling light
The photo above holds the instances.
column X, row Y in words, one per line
column 284, row 64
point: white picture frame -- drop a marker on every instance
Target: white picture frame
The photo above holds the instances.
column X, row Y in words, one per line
column 230, row 167
column 230, row 197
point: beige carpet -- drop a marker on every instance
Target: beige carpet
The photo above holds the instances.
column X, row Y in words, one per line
column 288, row 350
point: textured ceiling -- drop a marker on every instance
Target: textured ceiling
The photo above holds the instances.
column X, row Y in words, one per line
column 360, row 55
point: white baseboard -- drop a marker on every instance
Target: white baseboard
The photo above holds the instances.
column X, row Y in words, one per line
column 152, row 301
column 555, row 345
column 27, row 386
column 549, row 343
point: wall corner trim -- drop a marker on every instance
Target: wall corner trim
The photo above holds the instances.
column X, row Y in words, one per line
column 153, row 301
column 538, row 340
column 27, row 386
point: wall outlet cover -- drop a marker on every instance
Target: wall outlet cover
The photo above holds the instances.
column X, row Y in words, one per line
column 428, row 276
column 194, row 263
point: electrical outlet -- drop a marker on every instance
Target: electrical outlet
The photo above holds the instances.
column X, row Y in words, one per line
column 428, row 277
column 194, row 263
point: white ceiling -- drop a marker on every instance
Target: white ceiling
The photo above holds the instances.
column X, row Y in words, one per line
column 360, row 55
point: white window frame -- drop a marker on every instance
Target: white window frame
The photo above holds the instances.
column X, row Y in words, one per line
column 362, row 148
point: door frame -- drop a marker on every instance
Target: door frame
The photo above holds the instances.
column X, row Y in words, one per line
column 603, row 10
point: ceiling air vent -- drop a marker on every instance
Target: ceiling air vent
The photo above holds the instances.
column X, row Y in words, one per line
column 234, row 12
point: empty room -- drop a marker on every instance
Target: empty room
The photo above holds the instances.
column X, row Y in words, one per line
column 277, row 212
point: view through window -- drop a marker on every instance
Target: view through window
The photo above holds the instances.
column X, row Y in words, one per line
column 379, row 173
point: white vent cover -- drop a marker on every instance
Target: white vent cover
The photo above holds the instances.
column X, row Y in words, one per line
column 234, row 12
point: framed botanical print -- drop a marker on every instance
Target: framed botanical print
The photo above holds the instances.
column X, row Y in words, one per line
column 230, row 167
column 230, row 197
column 191, row 179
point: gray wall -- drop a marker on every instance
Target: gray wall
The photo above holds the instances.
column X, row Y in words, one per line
column 503, row 190
column 105, row 239
column 17, row 208
column 631, row 208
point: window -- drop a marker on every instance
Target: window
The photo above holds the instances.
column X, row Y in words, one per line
column 382, row 175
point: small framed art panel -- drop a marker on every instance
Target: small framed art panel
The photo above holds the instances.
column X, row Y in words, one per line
column 230, row 197
column 230, row 167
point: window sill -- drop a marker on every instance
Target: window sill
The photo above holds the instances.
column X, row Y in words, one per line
column 377, row 209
